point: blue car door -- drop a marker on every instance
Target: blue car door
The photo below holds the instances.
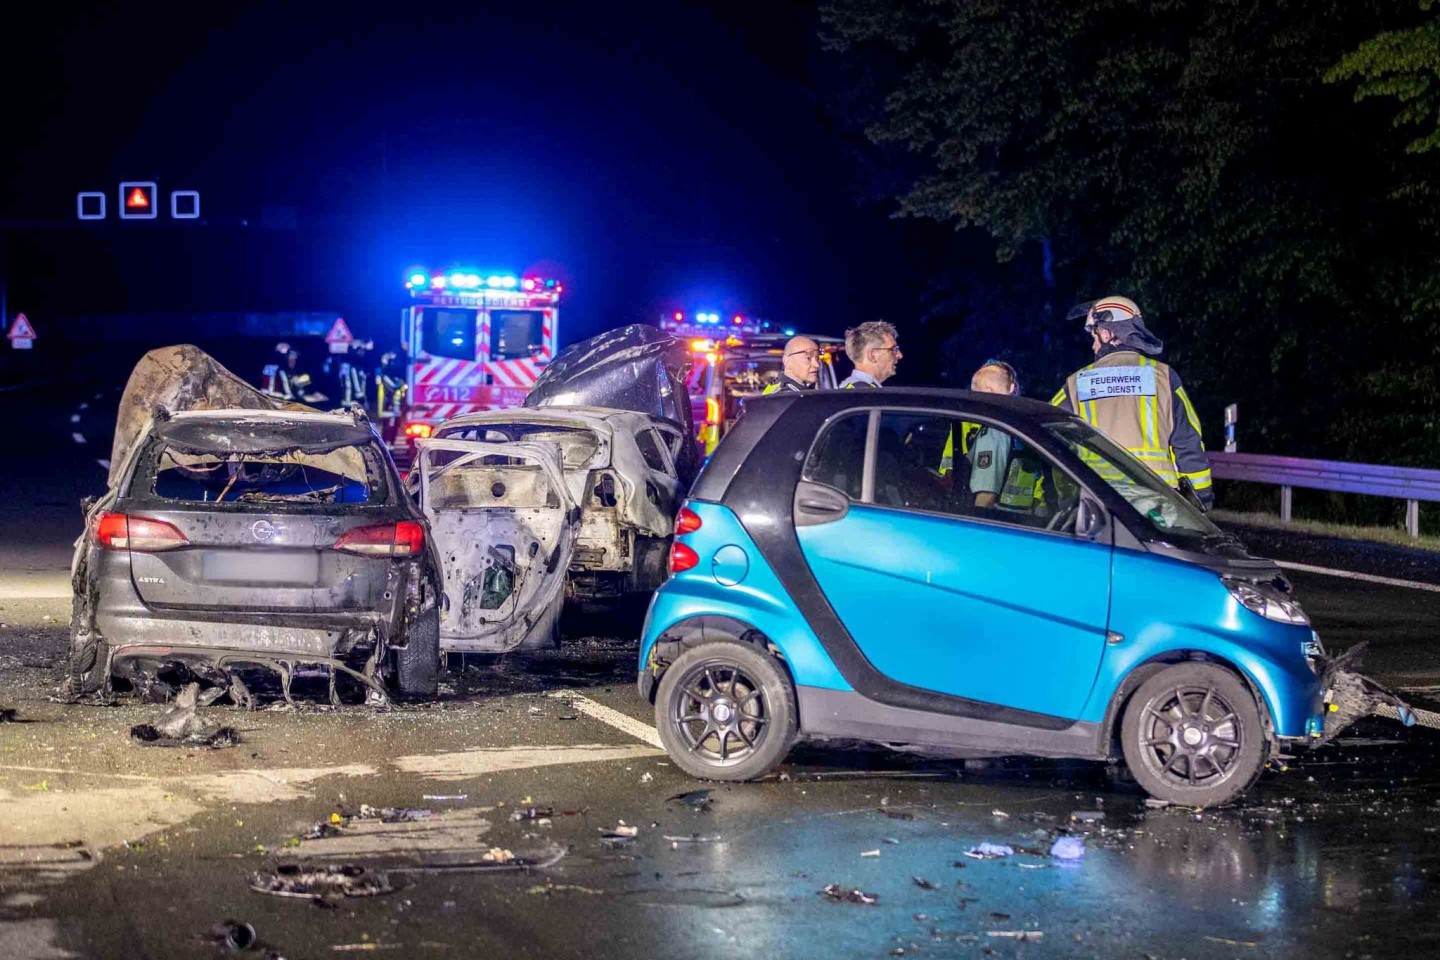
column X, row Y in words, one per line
column 940, row 593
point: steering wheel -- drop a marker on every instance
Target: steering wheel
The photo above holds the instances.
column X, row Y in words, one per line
column 1063, row 517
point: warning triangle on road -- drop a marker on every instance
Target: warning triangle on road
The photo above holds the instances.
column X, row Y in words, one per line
column 21, row 329
column 339, row 333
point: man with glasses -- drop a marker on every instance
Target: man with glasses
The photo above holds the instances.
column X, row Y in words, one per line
column 799, row 367
column 872, row 348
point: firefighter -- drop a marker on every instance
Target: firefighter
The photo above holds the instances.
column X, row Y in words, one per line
column 389, row 392
column 799, row 367
column 873, row 348
column 1136, row 400
column 278, row 379
column 354, row 377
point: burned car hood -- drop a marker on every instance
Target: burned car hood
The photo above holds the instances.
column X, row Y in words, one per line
column 636, row 368
column 179, row 378
column 260, row 434
column 639, row 368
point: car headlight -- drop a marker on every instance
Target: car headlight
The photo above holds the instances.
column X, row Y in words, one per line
column 1267, row 602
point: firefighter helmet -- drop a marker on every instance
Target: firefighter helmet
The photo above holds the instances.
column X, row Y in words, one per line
column 1111, row 310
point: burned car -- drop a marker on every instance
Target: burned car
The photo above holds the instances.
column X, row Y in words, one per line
column 529, row 507
column 239, row 532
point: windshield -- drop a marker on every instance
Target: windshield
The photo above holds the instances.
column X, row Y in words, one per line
column 1162, row 507
column 747, row 376
column 346, row 475
column 577, row 444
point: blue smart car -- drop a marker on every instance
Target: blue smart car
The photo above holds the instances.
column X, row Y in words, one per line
column 948, row 572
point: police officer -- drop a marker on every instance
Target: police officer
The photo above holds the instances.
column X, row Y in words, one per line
column 872, row 347
column 799, row 367
column 1136, row 400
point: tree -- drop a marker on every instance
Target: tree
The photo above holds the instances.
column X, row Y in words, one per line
column 1186, row 153
column 1404, row 64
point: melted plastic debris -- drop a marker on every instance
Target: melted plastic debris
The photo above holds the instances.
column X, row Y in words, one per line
column 990, row 851
column 841, row 894
column 321, row 884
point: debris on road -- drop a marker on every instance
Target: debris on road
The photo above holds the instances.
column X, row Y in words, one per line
column 692, row 838
column 1016, row 934
column 621, row 831
column 871, row 853
column 1067, row 848
column 990, row 851
column 235, row 935
column 539, row 814
column 697, row 800
column 497, row 855
column 897, row 814
column 321, row 884
column 8, row 716
column 182, row 725
column 1000, row 814
column 1087, row 816
column 445, row 796
column 839, row 894
column 391, row 814
column 924, row 884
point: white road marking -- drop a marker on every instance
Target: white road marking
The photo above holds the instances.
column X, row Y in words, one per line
column 1367, row 577
column 465, row 764
column 622, row 722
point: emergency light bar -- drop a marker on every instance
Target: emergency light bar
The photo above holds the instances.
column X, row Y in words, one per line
column 708, row 325
column 420, row 280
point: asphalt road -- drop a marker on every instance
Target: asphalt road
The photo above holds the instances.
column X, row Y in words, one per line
column 108, row 848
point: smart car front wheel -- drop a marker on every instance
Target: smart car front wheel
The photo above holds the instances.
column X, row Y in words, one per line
column 726, row 711
column 1192, row 735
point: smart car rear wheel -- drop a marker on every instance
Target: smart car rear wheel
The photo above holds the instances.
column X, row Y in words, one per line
column 726, row 711
column 1192, row 735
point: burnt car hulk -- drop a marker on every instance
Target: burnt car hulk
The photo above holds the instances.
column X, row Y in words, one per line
column 241, row 532
column 1049, row 595
column 531, row 506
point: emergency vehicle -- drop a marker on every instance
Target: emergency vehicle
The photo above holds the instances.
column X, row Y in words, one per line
column 474, row 343
column 733, row 361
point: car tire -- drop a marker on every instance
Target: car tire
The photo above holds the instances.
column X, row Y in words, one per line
column 1192, row 735
column 417, row 664
column 758, row 723
column 87, row 654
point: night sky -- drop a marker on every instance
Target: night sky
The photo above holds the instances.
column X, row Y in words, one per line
column 653, row 156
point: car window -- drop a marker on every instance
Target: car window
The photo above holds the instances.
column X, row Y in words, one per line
column 448, row 332
column 945, row 464
column 1167, row 512
column 346, row 475
column 674, row 441
column 650, row 450
column 838, row 457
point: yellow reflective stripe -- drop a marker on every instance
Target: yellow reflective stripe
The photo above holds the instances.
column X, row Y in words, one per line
column 1189, row 411
column 1200, row 479
column 1059, row 398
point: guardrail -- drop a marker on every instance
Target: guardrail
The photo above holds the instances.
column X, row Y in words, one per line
column 1411, row 484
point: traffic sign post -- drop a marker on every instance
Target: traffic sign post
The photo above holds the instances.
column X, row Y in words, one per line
column 22, row 333
column 339, row 337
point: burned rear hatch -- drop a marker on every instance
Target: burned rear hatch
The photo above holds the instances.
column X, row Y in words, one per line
column 261, row 514
column 504, row 523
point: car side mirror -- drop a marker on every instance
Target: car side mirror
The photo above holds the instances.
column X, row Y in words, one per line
column 1089, row 519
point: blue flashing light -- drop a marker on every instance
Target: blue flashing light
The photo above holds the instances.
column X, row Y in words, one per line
column 549, row 283
column 418, row 279
column 789, row 331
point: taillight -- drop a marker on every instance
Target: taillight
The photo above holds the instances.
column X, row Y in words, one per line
column 419, row 431
column 686, row 521
column 402, row 539
column 116, row 531
column 682, row 558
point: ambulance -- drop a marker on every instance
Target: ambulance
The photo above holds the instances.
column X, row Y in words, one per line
column 734, row 360
column 474, row 342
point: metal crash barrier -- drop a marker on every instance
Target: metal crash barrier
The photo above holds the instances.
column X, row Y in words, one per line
column 1411, row 484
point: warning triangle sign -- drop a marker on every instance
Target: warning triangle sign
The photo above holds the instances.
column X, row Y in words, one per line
column 339, row 333
column 137, row 199
column 21, row 329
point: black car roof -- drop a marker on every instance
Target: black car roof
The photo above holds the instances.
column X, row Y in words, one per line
column 1013, row 407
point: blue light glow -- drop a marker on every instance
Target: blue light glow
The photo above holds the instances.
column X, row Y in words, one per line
column 418, row 279
column 789, row 331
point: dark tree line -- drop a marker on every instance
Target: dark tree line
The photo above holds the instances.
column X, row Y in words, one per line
column 1260, row 175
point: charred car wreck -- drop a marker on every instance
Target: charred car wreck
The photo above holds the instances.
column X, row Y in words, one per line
column 238, row 532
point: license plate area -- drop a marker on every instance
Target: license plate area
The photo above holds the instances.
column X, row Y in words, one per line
column 294, row 567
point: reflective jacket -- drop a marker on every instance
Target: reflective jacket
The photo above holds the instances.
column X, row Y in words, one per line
column 787, row 384
column 1138, row 402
